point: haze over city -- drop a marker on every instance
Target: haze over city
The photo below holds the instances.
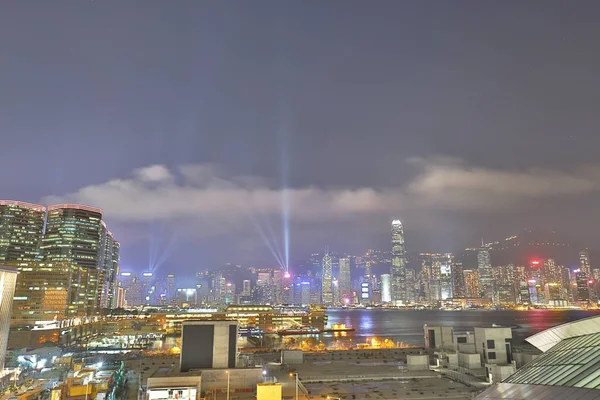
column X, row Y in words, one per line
column 199, row 129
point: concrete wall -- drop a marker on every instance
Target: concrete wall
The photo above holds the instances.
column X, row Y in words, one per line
column 221, row 346
column 292, row 357
column 417, row 362
column 499, row 336
column 498, row 373
column 239, row 379
column 443, row 336
column 469, row 360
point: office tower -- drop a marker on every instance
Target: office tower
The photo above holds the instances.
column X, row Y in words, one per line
column 446, row 277
column 246, row 287
column 120, row 298
column 8, row 280
column 327, row 280
column 133, row 293
column 46, row 291
column 21, row 228
column 108, row 267
column 171, row 288
column 345, row 282
column 458, row 280
column 398, row 271
column 471, row 278
column 73, row 235
column 584, row 263
column 484, row 268
column 386, row 288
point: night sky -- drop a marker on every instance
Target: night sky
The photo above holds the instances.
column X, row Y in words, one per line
column 184, row 120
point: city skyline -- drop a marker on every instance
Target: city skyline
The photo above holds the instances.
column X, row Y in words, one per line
column 232, row 129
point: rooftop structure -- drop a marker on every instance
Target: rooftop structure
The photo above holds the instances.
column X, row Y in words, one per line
column 568, row 368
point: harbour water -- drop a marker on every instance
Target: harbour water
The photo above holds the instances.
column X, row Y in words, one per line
column 407, row 326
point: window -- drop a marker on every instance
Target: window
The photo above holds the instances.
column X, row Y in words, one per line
column 491, row 355
column 491, row 344
column 461, row 339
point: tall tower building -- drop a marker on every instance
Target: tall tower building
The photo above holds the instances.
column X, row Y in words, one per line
column 327, row 280
column 73, row 235
column 386, row 288
column 484, row 268
column 584, row 263
column 108, row 267
column 8, row 280
column 398, row 269
column 21, row 228
column 344, row 281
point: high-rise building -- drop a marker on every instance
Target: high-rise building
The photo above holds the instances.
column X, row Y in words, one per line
column 171, row 289
column 584, row 263
column 108, row 267
column 471, row 278
column 398, row 269
column 246, row 287
column 344, row 281
column 484, row 268
column 8, row 280
column 386, row 288
column 73, row 235
column 21, row 228
column 327, row 280
column 49, row 290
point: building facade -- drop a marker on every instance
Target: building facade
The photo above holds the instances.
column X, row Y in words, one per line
column 344, row 281
column 327, row 280
column 398, row 268
column 8, row 280
column 21, row 228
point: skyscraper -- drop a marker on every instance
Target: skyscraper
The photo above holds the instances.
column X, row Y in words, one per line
column 21, row 228
column 484, row 268
column 386, row 289
column 8, row 279
column 398, row 269
column 345, row 282
column 108, row 267
column 73, row 235
column 584, row 263
column 327, row 280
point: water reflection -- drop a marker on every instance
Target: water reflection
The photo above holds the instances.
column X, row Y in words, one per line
column 407, row 326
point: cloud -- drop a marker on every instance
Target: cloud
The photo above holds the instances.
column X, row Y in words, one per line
column 206, row 193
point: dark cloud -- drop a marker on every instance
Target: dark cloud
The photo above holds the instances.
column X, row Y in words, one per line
column 195, row 115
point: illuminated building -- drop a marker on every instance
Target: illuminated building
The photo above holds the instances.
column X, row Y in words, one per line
column 108, row 267
column 344, row 281
column 327, row 280
column 8, row 279
column 437, row 276
column 21, row 228
column 486, row 278
column 46, row 291
column 386, row 289
column 584, row 263
column 73, row 235
column 471, row 278
column 446, row 277
column 398, row 268
column 246, row 288
column 458, row 280
column 171, row 288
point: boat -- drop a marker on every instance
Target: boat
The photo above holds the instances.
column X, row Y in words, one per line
column 339, row 328
column 303, row 330
column 251, row 331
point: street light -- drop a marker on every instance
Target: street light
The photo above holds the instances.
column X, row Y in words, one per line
column 334, row 398
column 227, row 372
column 291, row 375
